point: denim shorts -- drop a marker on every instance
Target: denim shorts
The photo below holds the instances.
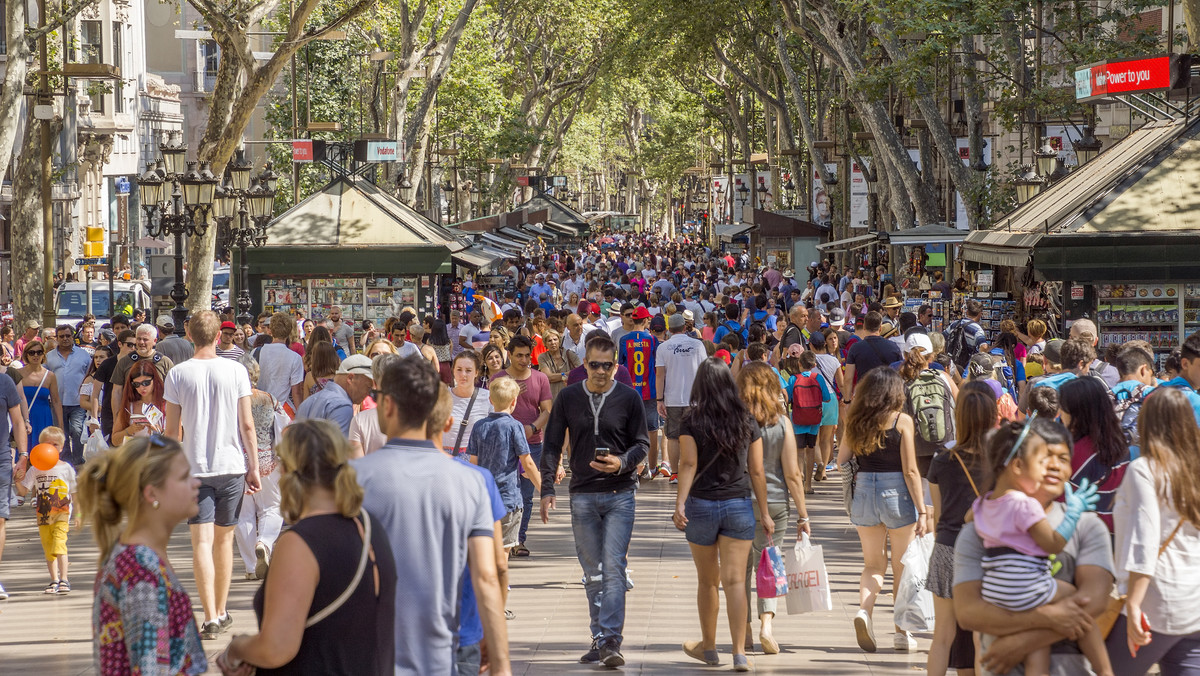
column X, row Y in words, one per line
column 706, row 519
column 653, row 422
column 882, row 498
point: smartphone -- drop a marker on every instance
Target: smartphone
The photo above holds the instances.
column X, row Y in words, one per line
column 602, row 452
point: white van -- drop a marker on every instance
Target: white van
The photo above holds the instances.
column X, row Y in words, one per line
column 70, row 300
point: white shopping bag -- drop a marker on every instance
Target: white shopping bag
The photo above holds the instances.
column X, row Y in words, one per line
column 808, row 583
column 914, row 603
column 95, row 444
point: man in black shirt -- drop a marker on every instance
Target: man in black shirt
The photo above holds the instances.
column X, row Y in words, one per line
column 121, row 346
column 607, row 423
column 868, row 353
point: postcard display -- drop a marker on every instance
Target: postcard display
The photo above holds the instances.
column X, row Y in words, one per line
column 374, row 298
column 1157, row 313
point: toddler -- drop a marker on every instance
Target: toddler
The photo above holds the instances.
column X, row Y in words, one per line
column 54, row 493
column 1019, row 538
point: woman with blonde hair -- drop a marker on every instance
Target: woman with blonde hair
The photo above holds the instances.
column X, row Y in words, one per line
column 1034, row 336
column 308, row 624
column 134, row 496
column 760, row 391
column 378, row 347
column 888, row 501
column 1156, row 520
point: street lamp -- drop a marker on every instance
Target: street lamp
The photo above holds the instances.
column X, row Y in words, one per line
column 1087, row 147
column 1045, row 158
column 184, row 213
column 1028, row 184
column 743, row 196
column 250, row 207
column 790, row 187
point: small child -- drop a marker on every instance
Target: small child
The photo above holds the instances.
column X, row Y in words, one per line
column 498, row 444
column 803, row 390
column 55, row 494
column 1019, row 538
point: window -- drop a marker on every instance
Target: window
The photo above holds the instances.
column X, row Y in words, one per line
column 3, row 29
column 211, row 55
column 117, row 58
column 91, row 42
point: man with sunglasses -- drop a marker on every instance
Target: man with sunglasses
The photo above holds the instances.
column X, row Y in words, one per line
column 607, row 425
column 70, row 363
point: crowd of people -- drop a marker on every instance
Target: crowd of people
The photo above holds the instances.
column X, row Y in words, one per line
column 382, row 481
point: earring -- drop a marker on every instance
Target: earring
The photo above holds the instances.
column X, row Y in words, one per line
column 154, row 504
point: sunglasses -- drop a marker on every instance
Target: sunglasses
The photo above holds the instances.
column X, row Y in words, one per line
column 35, row 353
column 142, row 383
column 129, row 343
column 601, row 365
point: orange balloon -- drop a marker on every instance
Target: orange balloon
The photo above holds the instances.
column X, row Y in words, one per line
column 43, row 457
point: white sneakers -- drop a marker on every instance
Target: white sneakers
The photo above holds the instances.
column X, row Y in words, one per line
column 864, row 631
column 904, row 642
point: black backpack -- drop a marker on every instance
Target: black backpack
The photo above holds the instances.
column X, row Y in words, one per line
column 958, row 343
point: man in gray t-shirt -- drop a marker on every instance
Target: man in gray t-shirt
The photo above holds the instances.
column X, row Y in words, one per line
column 343, row 332
column 1007, row 637
column 438, row 517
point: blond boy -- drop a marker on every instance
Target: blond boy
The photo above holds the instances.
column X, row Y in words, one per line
column 54, row 490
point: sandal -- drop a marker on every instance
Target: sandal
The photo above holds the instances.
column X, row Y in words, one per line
column 509, row 615
column 521, row 550
column 64, row 587
column 52, row 588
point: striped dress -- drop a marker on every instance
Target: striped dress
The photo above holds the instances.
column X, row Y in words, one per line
column 1016, row 571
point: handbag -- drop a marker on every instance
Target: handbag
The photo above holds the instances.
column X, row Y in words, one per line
column 1112, row 611
column 772, row 575
column 849, row 472
column 808, row 580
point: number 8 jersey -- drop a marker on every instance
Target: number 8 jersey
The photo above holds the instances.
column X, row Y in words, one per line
column 636, row 352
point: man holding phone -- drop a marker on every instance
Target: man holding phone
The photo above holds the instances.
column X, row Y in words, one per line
column 607, row 425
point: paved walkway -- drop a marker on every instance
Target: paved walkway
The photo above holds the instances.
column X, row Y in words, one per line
column 52, row 635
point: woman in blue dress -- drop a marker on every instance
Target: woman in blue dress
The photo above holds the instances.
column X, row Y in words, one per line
column 41, row 391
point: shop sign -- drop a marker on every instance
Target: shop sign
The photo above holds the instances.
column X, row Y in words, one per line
column 378, row 151
column 1132, row 76
column 1076, row 292
column 302, row 150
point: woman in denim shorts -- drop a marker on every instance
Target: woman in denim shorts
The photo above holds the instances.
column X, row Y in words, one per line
column 888, row 500
column 721, row 463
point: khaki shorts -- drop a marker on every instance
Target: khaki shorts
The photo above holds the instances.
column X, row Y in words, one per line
column 509, row 526
column 54, row 539
column 674, row 420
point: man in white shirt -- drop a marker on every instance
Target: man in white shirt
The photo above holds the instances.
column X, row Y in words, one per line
column 676, row 362
column 208, row 408
column 575, row 335
column 467, row 332
column 282, row 370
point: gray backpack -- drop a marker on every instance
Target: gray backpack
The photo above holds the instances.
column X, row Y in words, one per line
column 932, row 409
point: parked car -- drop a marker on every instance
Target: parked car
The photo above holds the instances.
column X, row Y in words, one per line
column 220, row 287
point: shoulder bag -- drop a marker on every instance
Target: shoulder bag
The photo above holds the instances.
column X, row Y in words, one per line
column 462, row 426
column 1117, row 603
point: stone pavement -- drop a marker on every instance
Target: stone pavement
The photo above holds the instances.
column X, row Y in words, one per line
column 52, row 635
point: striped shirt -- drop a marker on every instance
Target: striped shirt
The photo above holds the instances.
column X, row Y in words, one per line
column 232, row 353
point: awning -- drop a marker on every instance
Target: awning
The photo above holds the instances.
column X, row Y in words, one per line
column 502, row 242
column 538, row 230
column 849, row 243
column 1000, row 247
column 933, row 233
column 564, row 230
column 476, row 258
column 518, row 234
column 732, row 230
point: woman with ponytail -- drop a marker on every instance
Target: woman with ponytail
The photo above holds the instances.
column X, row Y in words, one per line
column 142, row 619
column 324, row 608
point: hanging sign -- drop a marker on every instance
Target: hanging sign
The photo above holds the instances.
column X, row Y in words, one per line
column 377, row 151
column 302, row 150
column 1132, row 76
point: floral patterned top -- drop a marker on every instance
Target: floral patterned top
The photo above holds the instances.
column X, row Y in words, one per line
column 142, row 618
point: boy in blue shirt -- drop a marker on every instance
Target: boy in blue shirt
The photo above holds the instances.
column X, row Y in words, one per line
column 498, row 445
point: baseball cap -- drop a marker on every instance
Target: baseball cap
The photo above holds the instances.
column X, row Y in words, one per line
column 979, row 365
column 837, row 318
column 658, row 323
column 676, row 322
column 915, row 340
column 33, row 324
column 1053, row 350
column 640, row 313
column 164, row 321
column 817, row 340
column 107, row 335
column 723, row 355
column 359, row 364
column 594, row 309
column 228, row 325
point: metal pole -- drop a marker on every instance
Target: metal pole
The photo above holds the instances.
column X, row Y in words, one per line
column 243, row 300
column 179, row 291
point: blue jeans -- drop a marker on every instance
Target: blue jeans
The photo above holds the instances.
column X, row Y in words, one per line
column 602, row 524
column 535, row 452
column 73, row 417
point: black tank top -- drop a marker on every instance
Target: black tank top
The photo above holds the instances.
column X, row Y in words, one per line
column 887, row 458
column 358, row 637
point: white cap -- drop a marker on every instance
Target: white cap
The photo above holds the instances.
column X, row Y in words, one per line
column 920, row 340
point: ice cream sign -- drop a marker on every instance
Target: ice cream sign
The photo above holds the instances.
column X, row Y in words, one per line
column 1132, row 76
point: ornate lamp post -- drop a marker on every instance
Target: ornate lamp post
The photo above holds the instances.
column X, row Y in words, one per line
column 183, row 212
column 1087, row 147
column 242, row 210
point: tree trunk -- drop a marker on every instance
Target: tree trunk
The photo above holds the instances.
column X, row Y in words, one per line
column 12, row 89
column 28, row 244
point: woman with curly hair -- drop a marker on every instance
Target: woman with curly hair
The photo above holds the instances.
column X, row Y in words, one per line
column 888, row 501
column 720, row 464
column 760, row 391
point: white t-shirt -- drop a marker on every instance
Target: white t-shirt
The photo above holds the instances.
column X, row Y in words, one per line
column 408, row 349
column 481, row 409
column 364, row 428
column 681, row 355
column 207, row 392
column 279, row 369
column 468, row 332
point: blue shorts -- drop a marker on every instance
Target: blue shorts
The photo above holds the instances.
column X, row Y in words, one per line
column 829, row 413
column 652, row 419
column 881, row 498
column 733, row 518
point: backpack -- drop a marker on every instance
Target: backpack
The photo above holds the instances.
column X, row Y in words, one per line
column 1127, row 408
column 734, row 327
column 957, row 343
column 932, row 407
column 807, row 399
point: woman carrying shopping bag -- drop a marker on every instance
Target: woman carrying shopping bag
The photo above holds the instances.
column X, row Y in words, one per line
column 760, row 391
column 713, row 506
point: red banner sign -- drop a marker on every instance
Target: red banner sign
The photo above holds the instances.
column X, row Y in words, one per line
column 1131, row 76
column 302, row 151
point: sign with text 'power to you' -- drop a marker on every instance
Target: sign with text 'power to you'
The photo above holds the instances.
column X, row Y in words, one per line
column 1132, row 76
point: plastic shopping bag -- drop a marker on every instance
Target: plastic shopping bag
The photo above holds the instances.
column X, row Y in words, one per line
column 772, row 577
column 914, row 603
column 95, row 444
column 808, row 582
